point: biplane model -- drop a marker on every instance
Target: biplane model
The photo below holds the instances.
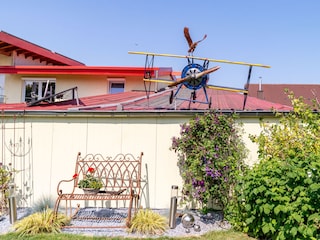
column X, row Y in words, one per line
column 194, row 76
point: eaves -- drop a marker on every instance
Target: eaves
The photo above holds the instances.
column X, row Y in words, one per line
column 130, row 114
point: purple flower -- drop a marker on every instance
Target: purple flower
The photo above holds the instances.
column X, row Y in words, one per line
column 204, row 160
column 196, row 183
column 198, row 193
column 213, row 173
column 209, row 172
column 201, row 183
column 174, row 142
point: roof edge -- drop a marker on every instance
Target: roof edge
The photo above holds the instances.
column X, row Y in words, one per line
column 130, row 114
column 37, row 49
column 82, row 70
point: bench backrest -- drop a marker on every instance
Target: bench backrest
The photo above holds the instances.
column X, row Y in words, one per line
column 117, row 173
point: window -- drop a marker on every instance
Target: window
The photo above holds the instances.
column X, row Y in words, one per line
column 116, row 85
column 35, row 89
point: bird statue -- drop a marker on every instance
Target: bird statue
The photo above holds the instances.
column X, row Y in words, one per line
column 192, row 45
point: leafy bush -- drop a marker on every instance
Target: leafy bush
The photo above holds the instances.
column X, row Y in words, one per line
column 41, row 222
column 5, row 177
column 211, row 154
column 279, row 197
column 296, row 134
column 146, row 221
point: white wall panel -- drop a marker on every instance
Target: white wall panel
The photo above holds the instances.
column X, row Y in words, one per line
column 56, row 140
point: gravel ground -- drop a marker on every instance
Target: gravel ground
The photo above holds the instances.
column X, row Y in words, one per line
column 6, row 226
column 209, row 222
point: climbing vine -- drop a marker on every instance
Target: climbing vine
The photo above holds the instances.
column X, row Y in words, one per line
column 211, row 155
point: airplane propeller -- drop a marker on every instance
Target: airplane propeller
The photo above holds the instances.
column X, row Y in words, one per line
column 194, row 76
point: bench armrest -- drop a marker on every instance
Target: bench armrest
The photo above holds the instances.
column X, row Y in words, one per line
column 59, row 191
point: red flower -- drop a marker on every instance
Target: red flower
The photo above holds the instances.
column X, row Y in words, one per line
column 75, row 176
column 91, row 170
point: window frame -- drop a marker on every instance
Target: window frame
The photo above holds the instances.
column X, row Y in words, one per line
column 42, row 81
column 116, row 81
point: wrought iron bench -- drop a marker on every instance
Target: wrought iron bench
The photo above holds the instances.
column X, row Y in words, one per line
column 121, row 180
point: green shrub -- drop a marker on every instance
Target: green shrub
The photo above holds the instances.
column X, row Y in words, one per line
column 5, row 175
column 5, row 178
column 282, row 199
column 41, row 222
column 279, row 197
column 211, row 154
column 146, row 221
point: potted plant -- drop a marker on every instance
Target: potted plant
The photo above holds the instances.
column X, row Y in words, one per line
column 90, row 183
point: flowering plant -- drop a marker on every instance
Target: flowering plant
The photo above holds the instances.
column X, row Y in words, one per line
column 211, row 154
column 89, row 181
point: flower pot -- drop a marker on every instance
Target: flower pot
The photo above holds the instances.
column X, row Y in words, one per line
column 90, row 190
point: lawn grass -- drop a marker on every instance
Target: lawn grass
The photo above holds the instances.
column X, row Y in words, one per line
column 214, row 235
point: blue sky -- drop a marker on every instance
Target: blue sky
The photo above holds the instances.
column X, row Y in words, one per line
column 281, row 33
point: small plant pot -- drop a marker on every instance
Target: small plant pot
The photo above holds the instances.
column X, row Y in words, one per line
column 90, row 190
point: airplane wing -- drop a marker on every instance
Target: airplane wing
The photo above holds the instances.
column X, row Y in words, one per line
column 158, row 80
column 200, row 58
column 230, row 89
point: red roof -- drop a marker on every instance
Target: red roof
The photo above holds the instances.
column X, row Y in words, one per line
column 276, row 92
column 137, row 101
column 10, row 43
column 220, row 100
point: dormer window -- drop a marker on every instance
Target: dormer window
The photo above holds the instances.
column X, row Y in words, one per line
column 116, row 85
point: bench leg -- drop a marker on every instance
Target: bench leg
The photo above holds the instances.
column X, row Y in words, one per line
column 76, row 211
column 56, row 206
column 136, row 202
column 128, row 222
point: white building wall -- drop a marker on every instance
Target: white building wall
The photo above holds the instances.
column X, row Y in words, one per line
column 56, row 140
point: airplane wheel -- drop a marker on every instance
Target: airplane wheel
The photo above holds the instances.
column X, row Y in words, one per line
column 171, row 97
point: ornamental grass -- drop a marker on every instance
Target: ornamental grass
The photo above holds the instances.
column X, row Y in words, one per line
column 145, row 221
column 41, row 222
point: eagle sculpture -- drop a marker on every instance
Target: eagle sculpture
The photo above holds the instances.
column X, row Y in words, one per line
column 192, row 45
